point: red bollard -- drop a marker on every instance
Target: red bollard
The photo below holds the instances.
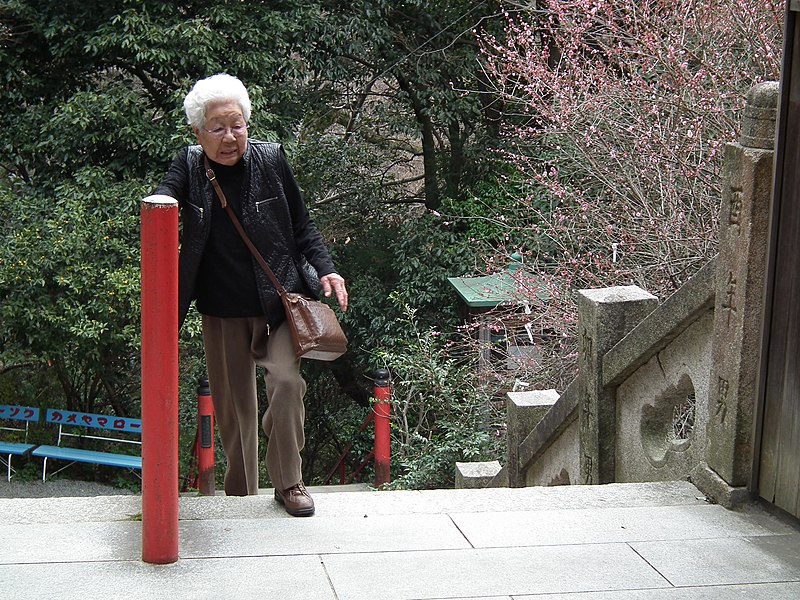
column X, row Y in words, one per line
column 382, row 410
column 205, row 440
column 159, row 244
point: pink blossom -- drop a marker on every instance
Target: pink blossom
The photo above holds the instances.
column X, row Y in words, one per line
column 633, row 103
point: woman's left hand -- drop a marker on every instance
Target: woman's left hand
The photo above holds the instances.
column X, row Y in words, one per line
column 333, row 282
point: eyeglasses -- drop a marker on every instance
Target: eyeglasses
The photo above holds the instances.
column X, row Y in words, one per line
column 220, row 132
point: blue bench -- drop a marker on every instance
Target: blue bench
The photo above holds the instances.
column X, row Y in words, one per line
column 73, row 424
column 13, row 417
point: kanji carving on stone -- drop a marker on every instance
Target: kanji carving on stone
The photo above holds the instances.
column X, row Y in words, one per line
column 721, row 407
column 729, row 302
column 735, row 214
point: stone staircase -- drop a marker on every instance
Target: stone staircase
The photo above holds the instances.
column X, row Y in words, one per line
column 620, row 541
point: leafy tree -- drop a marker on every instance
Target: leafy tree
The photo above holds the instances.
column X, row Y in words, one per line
column 397, row 73
column 368, row 96
column 69, row 283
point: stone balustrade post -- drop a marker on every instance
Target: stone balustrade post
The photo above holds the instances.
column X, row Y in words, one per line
column 741, row 275
column 605, row 316
column 524, row 410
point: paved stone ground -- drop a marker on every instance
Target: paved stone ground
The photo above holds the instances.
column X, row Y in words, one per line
column 57, row 488
column 658, row 541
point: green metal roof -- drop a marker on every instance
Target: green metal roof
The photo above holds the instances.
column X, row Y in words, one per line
column 491, row 290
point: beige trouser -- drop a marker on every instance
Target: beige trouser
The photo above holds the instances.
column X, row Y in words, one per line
column 234, row 347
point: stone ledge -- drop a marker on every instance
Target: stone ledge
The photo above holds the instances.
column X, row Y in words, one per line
column 663, row 325
column 524, row 411
column 717, row 490
column 557, row 419
column 533, row 399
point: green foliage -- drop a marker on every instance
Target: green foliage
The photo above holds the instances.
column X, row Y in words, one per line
column 69, row 280
column 439, row 415
column 397, row 278
column 412, row 258
column 27, row 473
column 398, row 78
column 491, row 214
column 92, row 97
column 333, row 423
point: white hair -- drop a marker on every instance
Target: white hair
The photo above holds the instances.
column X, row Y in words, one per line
column 217, row 88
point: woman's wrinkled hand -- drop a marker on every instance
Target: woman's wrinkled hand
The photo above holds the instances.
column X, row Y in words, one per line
column 334, row 282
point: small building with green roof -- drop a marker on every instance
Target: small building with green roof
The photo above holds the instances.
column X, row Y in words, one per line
column 505, row 335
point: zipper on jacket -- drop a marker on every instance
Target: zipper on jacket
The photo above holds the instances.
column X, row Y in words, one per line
column 199, row 209
column 260, row 202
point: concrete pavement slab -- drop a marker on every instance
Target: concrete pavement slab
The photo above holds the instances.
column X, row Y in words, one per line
column 70, row 509
column 193, row 507
column 668, row 493
column 620, row 541
column 489, row 572
column 331, row 503
column 448, row 501
column 318, row 535
column 759, row 591
column 591, row 526
column 690, row 562
column 81, row 542
column 289, row 578
column 52, row 542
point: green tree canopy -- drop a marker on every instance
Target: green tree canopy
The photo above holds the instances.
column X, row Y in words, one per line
column 372, row 100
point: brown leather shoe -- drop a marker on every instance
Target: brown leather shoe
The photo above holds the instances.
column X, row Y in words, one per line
column 296, row 500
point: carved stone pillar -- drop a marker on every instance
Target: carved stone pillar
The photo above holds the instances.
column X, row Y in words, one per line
column 741, row 273
column 605, row 316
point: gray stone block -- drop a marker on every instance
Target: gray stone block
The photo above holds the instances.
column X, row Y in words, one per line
column 476, row 474
column 524, row 411
column 654, row 333
column 557, row 420
column 760, row 116
column 605, row 317
column 717, row 490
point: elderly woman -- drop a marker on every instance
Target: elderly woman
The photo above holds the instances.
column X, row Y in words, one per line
column 243, row 317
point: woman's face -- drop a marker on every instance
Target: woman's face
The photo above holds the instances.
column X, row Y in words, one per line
column 224, row 136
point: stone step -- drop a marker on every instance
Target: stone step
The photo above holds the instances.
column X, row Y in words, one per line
column 347, row 501
column 657, row 541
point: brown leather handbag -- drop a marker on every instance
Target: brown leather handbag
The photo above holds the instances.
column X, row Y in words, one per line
column 316, row 331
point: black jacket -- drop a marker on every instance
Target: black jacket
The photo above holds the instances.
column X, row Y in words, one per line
column 274, row 215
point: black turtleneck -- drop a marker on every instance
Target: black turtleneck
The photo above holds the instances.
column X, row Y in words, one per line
column 226, row 284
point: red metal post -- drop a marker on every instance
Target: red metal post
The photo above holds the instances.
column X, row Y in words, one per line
column 382, row 410
column 159, row 245
column 205, row 440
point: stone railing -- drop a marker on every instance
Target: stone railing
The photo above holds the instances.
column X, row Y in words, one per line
column 665, row 391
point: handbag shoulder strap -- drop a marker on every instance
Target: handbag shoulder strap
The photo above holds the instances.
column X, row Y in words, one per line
column 238, row 226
